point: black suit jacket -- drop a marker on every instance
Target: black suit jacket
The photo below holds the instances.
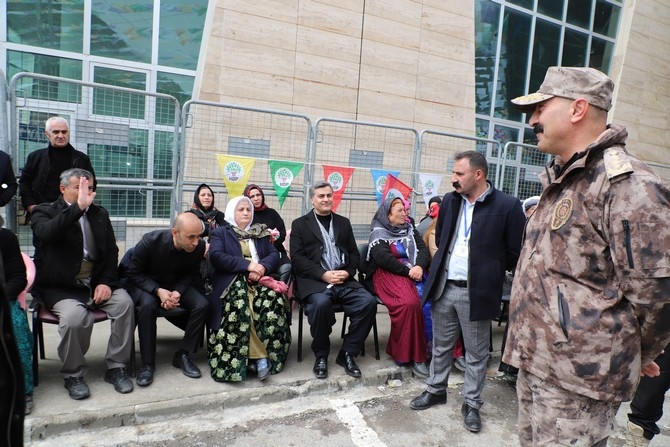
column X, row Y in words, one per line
column 38, row 168
column 155, row 262
column 57, row 231
column 307, row 250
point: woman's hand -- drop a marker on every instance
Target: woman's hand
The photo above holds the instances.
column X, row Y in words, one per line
column 416, row 273
column 255, row 267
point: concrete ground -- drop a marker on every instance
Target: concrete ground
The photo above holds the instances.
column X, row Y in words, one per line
column 174, row 396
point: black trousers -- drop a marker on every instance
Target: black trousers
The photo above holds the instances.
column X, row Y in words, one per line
column 356, row 303
column 147, row 307
column 647, row 405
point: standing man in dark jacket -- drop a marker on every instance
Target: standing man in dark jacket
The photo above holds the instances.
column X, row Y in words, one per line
column 78, row 272
column 478, row 235
column 40, row 177
column 163, row 270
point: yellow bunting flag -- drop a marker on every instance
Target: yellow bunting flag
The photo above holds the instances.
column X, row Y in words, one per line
column 235, row 172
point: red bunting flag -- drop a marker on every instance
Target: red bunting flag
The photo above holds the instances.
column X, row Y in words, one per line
column 338, row 176
column 396, row 188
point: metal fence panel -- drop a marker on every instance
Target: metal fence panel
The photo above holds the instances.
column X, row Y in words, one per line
column 363, row 146
column 212, row 129
column 522, row 165
column 130, row 136
column 8, row 211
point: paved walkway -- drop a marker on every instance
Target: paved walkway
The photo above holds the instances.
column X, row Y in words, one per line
column 173, row 395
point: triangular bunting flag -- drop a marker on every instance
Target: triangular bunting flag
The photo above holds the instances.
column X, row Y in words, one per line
column 283, row 173
column 338, row 176
column 396, row 188
column 235, row 172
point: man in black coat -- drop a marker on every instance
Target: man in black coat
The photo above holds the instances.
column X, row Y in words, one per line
column 478, row 235
column 78, row 272
column 325, row 257
column 40, row 177
column 163, row 271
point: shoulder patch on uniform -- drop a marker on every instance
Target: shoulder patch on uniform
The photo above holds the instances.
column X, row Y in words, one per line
column 616, row 162
column 561, row 214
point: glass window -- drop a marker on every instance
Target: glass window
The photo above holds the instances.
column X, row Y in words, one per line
column 601, row 54
column 606, row 19
column 115, row 103
column 31, row 132
column 123, row 202
column 161, row 201
column 179, row 86
column 574, row 49
column 122, row 29
column 545, row 51
column 30, row 87
column 482, row 128
column 180, row 34
column 122, row 162
column 486, row 44
column 513, row 63
column 551, row 8
column 524, row 3
column 579, row 13
column 55, row 25
column 163, row 145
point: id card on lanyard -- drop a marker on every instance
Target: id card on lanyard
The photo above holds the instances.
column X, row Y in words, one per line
column 462, row 246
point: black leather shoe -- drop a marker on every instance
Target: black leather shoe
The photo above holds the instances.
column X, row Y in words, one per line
column 182, row 361
column 321, row 367
column 471, row 418
column 146, row 375
column 346, row 360
column 77, row 388
column 120, row 379
column 427, row 400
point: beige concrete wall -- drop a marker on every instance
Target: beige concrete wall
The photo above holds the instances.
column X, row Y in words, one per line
column 641, row 71
column 393, row 61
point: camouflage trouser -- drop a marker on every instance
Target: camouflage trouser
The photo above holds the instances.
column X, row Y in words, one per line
column 552, row 416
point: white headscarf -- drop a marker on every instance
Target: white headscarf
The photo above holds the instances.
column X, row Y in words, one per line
column 232, row 206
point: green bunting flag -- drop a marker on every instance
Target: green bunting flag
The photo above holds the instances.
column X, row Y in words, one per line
column 283, row 173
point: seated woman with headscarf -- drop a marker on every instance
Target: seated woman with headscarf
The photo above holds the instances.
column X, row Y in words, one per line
column 398, row 259
column 249, row 319
column 211, row 217
column 203, row 207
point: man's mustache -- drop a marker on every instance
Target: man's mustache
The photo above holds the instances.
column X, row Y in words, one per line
column 456, row 185
column 538, row 128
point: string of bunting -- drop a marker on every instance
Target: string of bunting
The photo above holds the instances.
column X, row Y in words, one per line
column 235, row 172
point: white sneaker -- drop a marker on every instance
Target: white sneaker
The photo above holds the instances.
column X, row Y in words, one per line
column 635, row 436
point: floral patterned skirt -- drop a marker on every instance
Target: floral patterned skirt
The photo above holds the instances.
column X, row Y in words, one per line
column 228, row 347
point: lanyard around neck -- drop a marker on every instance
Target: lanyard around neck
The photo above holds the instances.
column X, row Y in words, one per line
column 466, row 227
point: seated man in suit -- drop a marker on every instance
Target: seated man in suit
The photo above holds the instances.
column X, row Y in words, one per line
column 78, row 273
column 163, row 270
column 325, row 258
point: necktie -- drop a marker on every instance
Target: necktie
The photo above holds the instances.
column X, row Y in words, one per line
column 89, row 242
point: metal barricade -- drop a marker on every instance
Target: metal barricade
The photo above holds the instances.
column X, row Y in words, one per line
column 363, row 146
column 212, row 129
column 9, row 213
column 130, row 136
column 523, row 163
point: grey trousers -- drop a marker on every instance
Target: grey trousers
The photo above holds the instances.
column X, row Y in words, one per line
column 451, row 316
column 76, row 324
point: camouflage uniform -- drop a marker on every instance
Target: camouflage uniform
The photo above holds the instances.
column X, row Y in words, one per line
column 591, row 294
